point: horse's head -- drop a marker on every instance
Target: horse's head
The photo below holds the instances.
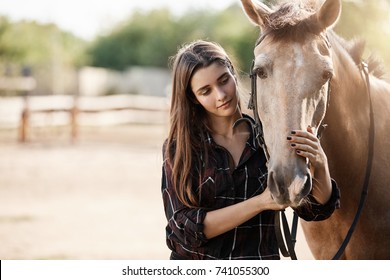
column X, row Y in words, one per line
column 294, row 65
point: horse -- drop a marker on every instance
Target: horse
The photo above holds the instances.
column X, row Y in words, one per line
column 309, row 75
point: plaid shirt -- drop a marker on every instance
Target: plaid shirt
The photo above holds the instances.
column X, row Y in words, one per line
column 222, row 186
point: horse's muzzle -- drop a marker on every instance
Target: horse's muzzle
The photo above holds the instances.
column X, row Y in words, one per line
column 287, row 190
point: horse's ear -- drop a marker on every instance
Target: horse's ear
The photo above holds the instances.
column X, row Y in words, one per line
column 329, row 13
column 257, row 12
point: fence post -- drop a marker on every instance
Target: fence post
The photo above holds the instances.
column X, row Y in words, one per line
column 28, row 85
column 24, row 122
column 73, row 119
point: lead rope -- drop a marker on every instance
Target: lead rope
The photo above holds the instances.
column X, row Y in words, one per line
column 289, row 237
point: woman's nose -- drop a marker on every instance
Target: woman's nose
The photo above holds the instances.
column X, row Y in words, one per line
column 221, row 95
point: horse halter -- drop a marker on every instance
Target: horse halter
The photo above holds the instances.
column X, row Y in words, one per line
column 252, row 105
column 290, row 237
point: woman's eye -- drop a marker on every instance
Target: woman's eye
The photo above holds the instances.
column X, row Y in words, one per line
column 224, row 80
column 261, row 73
column 204, row 92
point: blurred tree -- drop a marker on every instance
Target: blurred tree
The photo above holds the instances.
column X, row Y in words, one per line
column 145, row 39
column 8, row 52
column 31, row 43
column 149, row 39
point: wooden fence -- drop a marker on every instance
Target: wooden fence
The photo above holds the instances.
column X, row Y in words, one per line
column 78, row 111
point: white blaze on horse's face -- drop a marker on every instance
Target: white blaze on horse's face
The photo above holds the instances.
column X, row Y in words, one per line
column 292, row 91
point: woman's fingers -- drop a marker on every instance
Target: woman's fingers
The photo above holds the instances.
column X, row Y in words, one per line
column 307, row 145
column 303, row 141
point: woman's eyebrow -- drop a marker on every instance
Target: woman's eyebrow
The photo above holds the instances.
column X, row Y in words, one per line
column 202, row 88
column 223, row 75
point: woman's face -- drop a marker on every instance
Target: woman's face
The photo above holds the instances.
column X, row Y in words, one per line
column 215, row 89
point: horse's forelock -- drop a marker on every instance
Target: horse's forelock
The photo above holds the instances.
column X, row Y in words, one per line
column 292, row 20
column 290, row 14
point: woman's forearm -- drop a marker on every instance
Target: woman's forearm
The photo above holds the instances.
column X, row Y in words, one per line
column 222, row 220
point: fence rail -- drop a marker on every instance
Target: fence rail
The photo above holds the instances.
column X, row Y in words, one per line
column 32, row 111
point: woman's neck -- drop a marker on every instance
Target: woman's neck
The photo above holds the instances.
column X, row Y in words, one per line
column 232, row 137
column 223, row 126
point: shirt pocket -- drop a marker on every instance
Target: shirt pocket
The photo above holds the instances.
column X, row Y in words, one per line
column 217, row 188
column 224, row 187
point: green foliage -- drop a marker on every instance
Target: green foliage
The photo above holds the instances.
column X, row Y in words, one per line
column 149, row 39
column 8, row 51
column 28, row 43
column 145, row 39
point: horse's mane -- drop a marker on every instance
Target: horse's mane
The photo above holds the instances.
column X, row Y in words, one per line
column 291, row 20
column 355, row 48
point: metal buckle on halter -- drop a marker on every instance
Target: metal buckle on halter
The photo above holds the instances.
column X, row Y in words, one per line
column 250, row 103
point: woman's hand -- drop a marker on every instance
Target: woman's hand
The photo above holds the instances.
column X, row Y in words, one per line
column 307, row 145
column 267, row 202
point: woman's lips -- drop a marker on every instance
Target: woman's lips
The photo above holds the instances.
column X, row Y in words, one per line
column 224, row 105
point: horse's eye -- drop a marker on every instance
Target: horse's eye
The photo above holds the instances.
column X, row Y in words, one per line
column 261, row 73
column 327, row 75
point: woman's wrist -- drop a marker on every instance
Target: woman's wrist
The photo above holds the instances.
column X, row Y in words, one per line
column 322, row 185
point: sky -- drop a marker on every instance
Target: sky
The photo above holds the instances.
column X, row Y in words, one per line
column 87, row 18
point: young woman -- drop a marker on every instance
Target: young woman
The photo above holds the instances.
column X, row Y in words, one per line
column 214, row 174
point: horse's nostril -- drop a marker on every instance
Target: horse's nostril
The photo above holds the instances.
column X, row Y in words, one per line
column 276, row 185
column 289, row 192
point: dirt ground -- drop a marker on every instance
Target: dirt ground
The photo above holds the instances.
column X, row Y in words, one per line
column 98, row 198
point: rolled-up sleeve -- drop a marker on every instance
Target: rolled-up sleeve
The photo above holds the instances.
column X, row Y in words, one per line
column 314, row 211
column 184, row 224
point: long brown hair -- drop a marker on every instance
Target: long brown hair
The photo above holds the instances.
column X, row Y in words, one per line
column 188, row 124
